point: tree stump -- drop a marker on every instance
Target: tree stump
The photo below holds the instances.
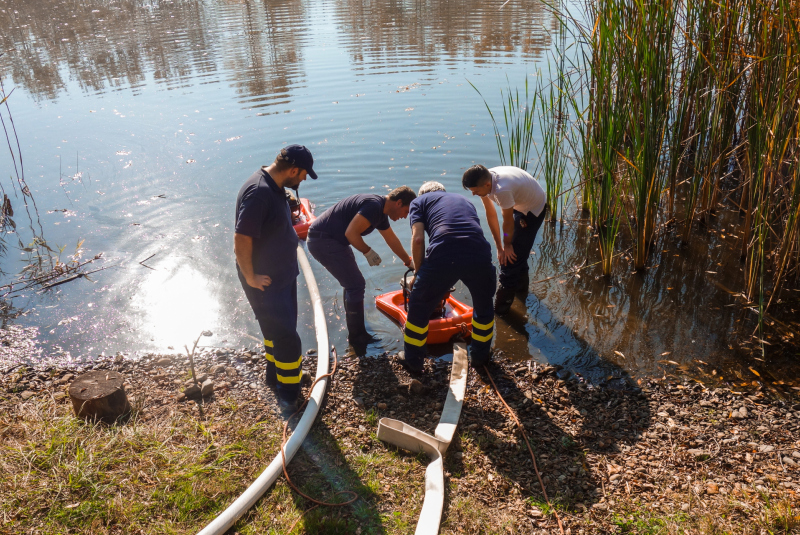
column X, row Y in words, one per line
column 99, row 395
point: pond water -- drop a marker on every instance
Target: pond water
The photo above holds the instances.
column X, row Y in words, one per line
column 139, row 120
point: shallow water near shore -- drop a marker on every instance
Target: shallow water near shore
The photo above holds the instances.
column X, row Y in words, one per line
column 138, row 122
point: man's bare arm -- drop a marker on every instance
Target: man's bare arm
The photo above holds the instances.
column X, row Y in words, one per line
column 243, row 249
column 394, row 244
column 353, row 233
column 508, row 235
column 418, row 244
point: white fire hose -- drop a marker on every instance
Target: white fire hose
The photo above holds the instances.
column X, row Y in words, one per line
column 249, row 497
column 412, row 439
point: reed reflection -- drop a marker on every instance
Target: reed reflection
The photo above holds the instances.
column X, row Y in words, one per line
column 255, row 46
column 258, row 47
column 668, row 319
column 393, row 33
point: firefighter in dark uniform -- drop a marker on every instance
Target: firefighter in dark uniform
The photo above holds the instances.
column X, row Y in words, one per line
column 457, row 250
column 265, row 245
column 339, row 230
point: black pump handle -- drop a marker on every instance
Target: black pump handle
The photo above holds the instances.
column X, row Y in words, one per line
column 405, row 289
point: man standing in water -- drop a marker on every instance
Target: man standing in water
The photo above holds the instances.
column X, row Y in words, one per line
column 343, row 225
column 265, row 245
column 522, row 201
column 457, row 251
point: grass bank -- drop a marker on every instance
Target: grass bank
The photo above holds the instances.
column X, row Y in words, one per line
column 673, row 457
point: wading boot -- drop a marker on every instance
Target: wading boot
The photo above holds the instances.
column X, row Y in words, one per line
column 412, row 366
column 357, row 334
column 288, row 406
column 272, row 376
column 289, row 399
column 503, row 299
column 479, row 359
column 524, row 286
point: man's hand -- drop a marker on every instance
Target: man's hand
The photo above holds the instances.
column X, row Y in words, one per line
column 259, row 282
column 373, row 258
column 508, row 255
column 409, row 263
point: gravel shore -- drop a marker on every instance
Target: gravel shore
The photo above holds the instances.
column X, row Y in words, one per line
column 610, row 459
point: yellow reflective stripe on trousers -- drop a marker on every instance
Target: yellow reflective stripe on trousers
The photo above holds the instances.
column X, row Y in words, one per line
column 268, row 343
column 414, row 341
column 289, row 365
column 289, row 380
column 482, row 326
column 419, row 330
column 269, row 357
column 479, row 338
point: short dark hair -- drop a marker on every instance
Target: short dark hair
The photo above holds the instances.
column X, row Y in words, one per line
column 282, row 165
column 475, row 176
column 404, row 193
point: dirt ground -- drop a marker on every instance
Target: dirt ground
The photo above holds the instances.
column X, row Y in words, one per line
column 668, row 457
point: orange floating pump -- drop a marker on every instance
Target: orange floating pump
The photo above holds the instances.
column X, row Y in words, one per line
column 450, row 319
column 302, row 216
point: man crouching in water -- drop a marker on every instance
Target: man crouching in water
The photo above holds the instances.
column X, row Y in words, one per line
column 457, row 251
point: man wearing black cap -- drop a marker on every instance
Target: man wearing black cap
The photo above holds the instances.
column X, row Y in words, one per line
column 265, row 246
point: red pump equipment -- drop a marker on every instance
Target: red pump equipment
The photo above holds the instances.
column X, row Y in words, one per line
column 450, row 319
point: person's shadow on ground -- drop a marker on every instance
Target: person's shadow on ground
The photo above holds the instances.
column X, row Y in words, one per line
column 566, row 417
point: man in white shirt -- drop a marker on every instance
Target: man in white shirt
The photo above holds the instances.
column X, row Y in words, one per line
column 522, row 202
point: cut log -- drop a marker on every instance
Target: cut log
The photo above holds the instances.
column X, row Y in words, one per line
column 99, row 395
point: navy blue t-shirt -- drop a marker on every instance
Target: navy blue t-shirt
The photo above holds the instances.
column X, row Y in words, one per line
column 262, row 212
column 452, row 225
column 335, row 220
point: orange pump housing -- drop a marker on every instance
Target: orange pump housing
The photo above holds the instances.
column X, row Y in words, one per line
column 302, row 228
column 457, row 318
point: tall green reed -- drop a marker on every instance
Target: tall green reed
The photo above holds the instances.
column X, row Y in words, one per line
column 678, row 107
column 518, row 118
column 552, row 161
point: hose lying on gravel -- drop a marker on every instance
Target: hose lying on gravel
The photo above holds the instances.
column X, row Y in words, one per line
column 243, row 503
column 412, row 439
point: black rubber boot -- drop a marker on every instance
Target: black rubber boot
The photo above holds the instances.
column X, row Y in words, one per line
column 503, row 299
column 272, row 377
column 479, row 360
column 413, row 367
column 524, row 285
column 357, row 333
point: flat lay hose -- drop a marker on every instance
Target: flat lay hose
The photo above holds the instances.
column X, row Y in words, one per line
column 412, row 439
column 243, row 503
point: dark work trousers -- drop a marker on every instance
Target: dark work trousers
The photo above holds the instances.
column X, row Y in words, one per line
column 512, row 274
column 434, row 279
column 276, row 312
column 340, row 261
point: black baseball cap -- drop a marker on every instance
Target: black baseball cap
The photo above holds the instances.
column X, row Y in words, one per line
column 299, row 156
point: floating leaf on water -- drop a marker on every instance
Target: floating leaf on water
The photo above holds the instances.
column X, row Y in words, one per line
column 665, row 353
column 619, row 353
column 755, row 372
